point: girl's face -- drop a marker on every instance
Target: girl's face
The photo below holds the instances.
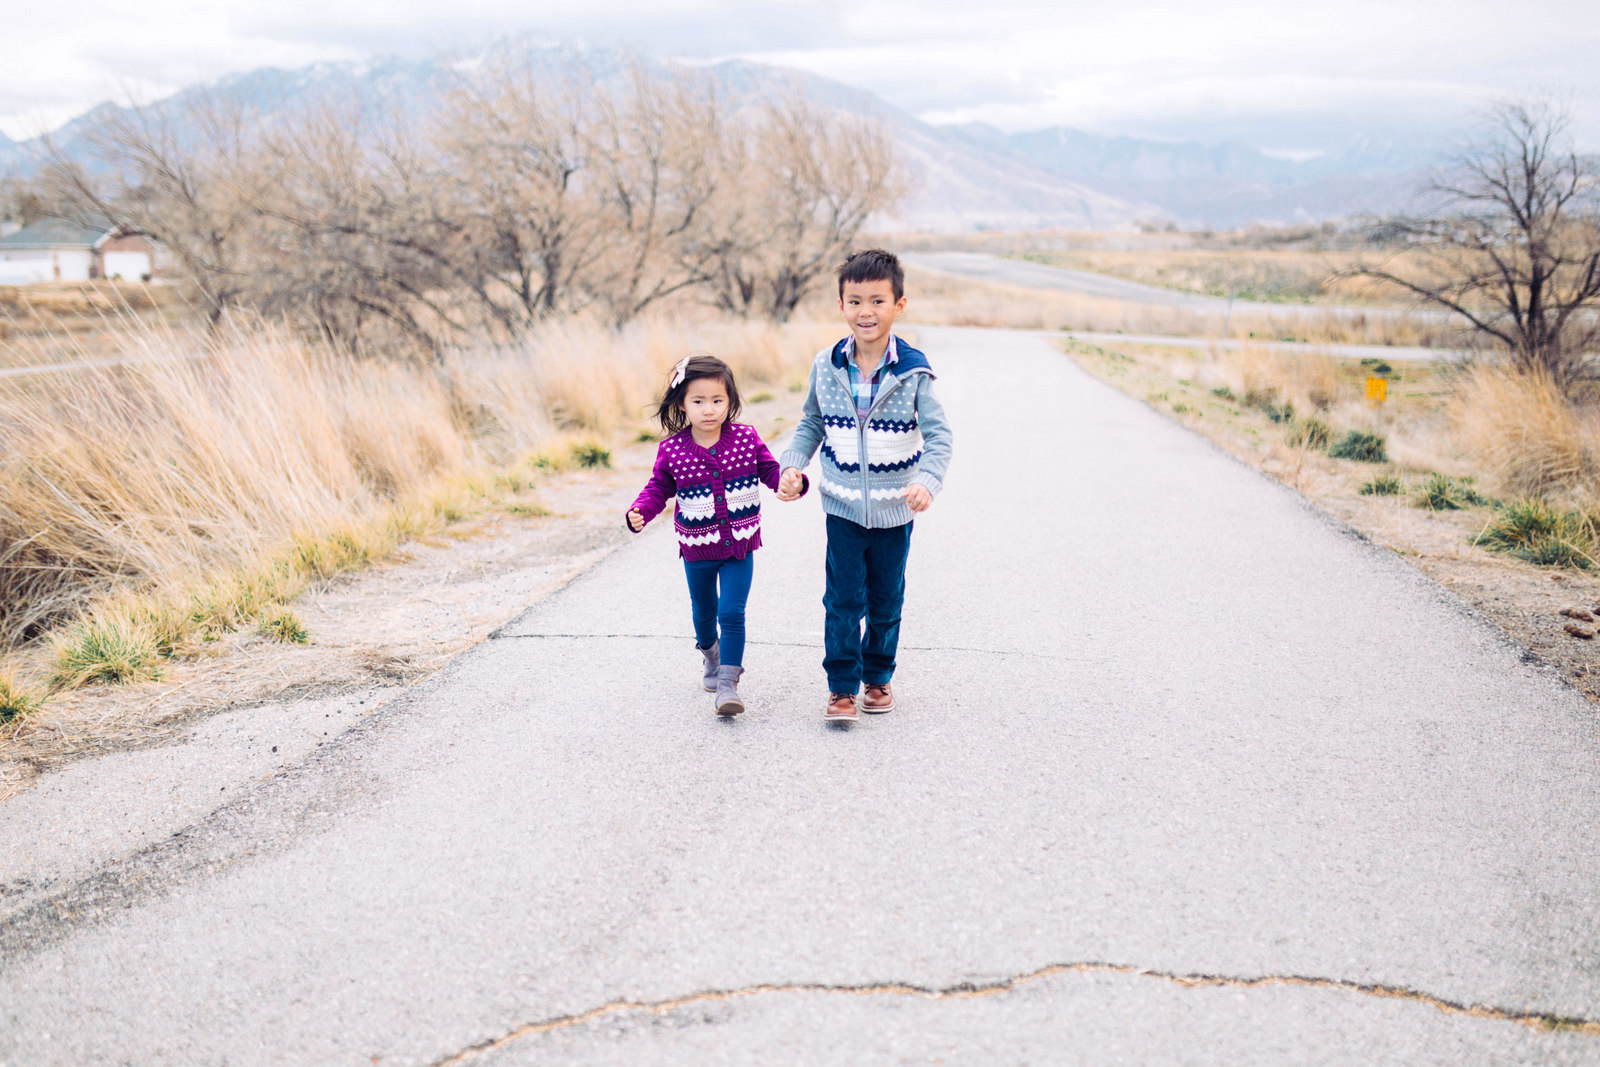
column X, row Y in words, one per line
column 706, row 404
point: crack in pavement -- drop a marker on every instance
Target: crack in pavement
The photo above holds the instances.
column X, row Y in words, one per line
column 1542, row 1021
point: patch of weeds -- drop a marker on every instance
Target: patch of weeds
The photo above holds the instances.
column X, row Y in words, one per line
column 1362, row 445
column 1443, row 493
column 529, row 511
column 1155, row 397
column 797, row 386
column 590, row 454
column 105, row 650
column 1269, row 405
column 1310, row 433
column 646, row 436
column 761, row 397
column 1377, row 366
column 15, row 701
column 283, row 625
column 1382, row 485
column 1556, row 552
column 513, row 481
column 1186, row 383
column 1180, row 408
column 1534, row 531
column 1224, row 393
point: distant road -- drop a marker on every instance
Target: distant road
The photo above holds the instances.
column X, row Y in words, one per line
column 1384, row 352
column 1031, row 275
column 1044, row 276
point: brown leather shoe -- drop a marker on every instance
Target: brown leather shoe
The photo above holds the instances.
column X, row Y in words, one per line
column 878, row 698
column 841, row 708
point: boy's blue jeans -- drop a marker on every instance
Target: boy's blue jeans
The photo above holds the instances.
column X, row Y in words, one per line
column 725, row 606
column 866, row 580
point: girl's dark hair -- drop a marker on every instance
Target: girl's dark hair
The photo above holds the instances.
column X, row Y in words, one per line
column 701, row 365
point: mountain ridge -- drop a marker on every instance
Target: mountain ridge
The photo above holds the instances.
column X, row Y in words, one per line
column 968, row 177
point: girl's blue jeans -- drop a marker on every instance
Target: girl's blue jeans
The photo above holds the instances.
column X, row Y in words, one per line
column 718, row 589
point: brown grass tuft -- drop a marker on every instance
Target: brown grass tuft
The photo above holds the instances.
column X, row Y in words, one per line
column 1524, row 435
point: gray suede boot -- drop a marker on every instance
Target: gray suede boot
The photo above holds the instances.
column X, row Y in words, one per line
column 713, row 660
column 728, row 702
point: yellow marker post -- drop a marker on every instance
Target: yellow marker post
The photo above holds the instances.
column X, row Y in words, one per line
column 1377, row 389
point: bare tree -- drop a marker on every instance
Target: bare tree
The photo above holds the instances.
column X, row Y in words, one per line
column 655, row 147
column 362, row 236
column 1514, row 248
column 513, row 143
column 806, row 181
column 189, row 182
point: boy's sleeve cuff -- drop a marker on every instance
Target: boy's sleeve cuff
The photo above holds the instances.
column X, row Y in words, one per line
column 927, row 481
column 791, row 458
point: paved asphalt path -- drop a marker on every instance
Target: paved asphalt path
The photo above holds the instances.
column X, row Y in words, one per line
column 1159, row 719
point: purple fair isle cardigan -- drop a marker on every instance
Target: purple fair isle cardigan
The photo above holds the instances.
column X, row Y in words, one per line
column 719, row 493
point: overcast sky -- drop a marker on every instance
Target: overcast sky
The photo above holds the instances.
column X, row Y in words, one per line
column 1281, row 75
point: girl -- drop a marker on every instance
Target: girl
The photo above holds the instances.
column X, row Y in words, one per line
column 715, row 467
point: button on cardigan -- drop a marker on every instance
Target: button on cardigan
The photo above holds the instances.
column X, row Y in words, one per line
column 719, row 493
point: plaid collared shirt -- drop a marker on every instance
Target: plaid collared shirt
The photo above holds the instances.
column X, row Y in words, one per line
column 867, row 391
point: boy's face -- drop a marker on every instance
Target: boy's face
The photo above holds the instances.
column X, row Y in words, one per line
column 870, row 309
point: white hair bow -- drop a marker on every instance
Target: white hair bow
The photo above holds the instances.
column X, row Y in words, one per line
column 678, row 372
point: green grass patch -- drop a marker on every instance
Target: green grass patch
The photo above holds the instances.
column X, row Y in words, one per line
column 1534, row 531
column 1443, row 493
column 15, row 701
column 1224, row 393
column 111, row 651
column 589, row 454
column 282, row 624
column 1310, row 433
column 1362, row 445
column 761, row 397
column 1382, row 485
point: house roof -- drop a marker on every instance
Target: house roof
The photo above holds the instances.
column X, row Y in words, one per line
column 56, row 233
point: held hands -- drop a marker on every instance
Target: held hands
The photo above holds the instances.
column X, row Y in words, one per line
column 789, row 485
column 918, row 498
column 635, row 520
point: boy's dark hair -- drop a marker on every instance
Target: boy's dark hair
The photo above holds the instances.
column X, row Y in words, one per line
column 699, row 365
column 873, row 265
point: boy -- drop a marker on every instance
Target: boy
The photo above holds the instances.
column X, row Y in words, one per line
column 885, row 448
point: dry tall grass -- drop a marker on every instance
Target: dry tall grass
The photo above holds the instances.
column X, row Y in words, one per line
column 1526, row 437
column 206, row 489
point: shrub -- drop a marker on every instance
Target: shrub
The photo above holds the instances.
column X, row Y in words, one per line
column 1310, row 433
column 1443, row 493
column 1382, row 485
column 1362, row 445
column 1224, row 393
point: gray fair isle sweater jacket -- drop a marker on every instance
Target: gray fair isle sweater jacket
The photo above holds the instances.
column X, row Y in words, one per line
column 867, row 466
